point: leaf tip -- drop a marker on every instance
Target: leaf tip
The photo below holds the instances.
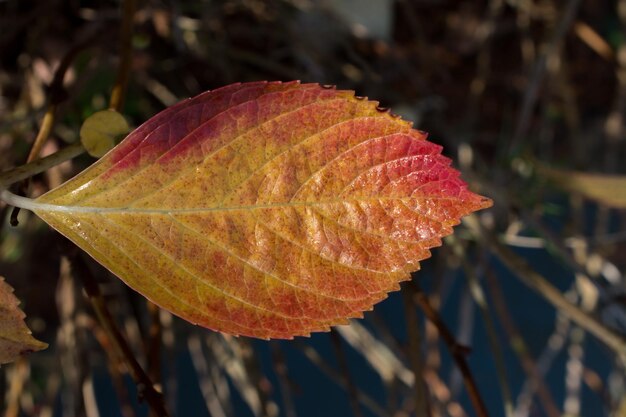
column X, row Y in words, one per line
column 485, row 202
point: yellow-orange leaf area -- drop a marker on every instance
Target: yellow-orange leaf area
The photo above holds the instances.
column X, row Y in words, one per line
column 265, row 209
column 15, row 338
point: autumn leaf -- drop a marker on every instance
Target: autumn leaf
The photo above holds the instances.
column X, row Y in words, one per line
column 15, row 338
column 265, row 209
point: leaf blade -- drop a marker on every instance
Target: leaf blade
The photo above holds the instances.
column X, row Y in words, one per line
column 284, row 209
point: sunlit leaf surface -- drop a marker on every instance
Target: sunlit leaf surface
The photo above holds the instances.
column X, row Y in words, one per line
column 265, row 209
column 15, row 338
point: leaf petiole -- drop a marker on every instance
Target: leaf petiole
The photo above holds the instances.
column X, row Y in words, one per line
column 16, row 200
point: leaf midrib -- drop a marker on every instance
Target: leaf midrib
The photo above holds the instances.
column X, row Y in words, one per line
column 45, row 207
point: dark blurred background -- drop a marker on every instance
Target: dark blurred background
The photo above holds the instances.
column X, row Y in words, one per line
column 522, row 94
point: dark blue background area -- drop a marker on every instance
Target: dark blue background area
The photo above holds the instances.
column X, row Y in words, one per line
column 315, row 394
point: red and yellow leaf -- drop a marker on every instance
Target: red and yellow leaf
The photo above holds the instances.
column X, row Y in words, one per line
column 265, row 209
column 15, row 338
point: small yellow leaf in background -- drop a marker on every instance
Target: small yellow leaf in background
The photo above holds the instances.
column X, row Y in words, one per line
column 15, row 338
column 99, row 133
column 603, row 188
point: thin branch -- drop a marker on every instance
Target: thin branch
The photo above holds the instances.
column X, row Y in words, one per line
column 422, row 406
column 480, row 299
column 114, row 365
column 44, row 132
column 339, row 379
column 379, row 354
column 145, row 386
column 118, row 94
column 536, row 79
column 235, row 358
column 457, row 351
column 574, row 373
column 71, row 343
column 19, row 374
column 520, row 347
column 551, row 350
column 153, row 348
column 57, row 94
column 40, row 165
column 282, row 373
column 345, row 370
column 203, row 373
column 543, row 287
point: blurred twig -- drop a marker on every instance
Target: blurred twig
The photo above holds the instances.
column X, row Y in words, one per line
column 614, row 123
column 153, row 347
column 145, row 386
column 70, row 344
column 574, row 373
column 519, row 346
column 170, row 383
column 481, row 301
column 542, row 286
column 553, row 347
column 536, row 78
column 114, row 366
column 593, row 40
column 118, row 93
column 203, row 372
column 232, row 356
column 57, row 95
column 382, row 353
column 483, row 61
column 345, row 370
column 248, row 358
column 379, row 355
column 282, row 372
column 457, row 351
column 33, row 168
column 422, row 403
column 339, row 378
column 19, row 373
